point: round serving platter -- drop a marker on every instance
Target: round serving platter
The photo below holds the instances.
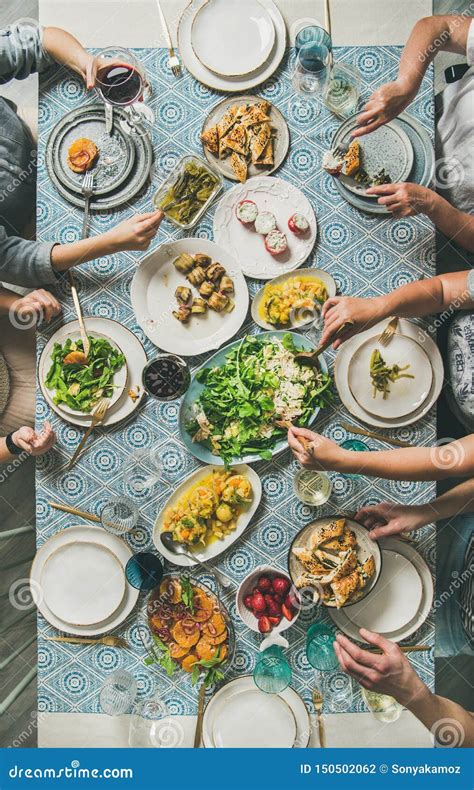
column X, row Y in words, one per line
column 130, row 174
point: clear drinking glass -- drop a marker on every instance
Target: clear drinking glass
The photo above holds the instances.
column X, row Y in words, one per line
column 312, row 488
column 311, row 74
column 143, row 470
column 119, row 515
column 148, row 724
column 144, row 571
column 272, row 672
column 313, row 34
column 118, row 693
column 343, row 90
column 337, row 692
column 319, row 647
column 382, row 706
column 121, row 82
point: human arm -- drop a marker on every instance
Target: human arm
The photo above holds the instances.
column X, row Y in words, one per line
column 430, row 35
column 391, row 673
column 66, row 50
column 32, row 263
column 413, row 300
column 455, row 459
column 407, row 200
column 40, row 304
column 389, row 518
column 29, row 441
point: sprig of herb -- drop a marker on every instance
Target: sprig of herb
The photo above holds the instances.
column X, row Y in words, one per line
column 213, row 674
column 164, row 660
column 187, row 593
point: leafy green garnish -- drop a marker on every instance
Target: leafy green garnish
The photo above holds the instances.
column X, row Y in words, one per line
column 164, row 659
column 212, row 675
column 80, row 386
column 187, row 594
column 239, row 398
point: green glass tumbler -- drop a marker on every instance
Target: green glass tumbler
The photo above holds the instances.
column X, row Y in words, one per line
column 319, row 647
column 272, row 673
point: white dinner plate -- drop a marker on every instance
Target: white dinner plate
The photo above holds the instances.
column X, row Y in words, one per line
column 217, row 81
column 406, row 394
column 241, row 716
column 153, row 300
column 232, row 39
column 341, row 373
column 135, row 357
column 119, row 381
column 341, row 617
column 281, row 139
column 83, row 583
column 85, row 534
column 217, row 546
column 301, row 317
column 388, row 148
column 283, row 200
column 396, row 599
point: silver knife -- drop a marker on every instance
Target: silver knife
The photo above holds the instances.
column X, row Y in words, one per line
column 109, row 119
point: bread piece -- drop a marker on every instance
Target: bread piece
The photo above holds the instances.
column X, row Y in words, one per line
column 345, row 588
column 333, row 530
column 345, row 541
column 239, row 166
column 258, row 141
column 226, row 122
column 210, row 138
column 267, row 157
column 236, row 140
column 352, row 159
column 366, row 571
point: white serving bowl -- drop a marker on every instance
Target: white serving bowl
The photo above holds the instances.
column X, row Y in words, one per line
column 246, row 588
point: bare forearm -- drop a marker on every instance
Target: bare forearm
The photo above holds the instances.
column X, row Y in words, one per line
column 457, row 225
column 65, row 256
column 427, row 297
column 414, row 463
column 429, row 36
column 431, row 709
column 65, row 49
column 459, row 499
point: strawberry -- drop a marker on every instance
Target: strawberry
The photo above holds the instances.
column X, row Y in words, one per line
column 258, row 602
column 274, row 608
column 268, row 599
column 279, row 598
column 291, row 601
column 248, row 602
column 281, row 585
column 274, row 620
column 288, row 613
column 264, row 584
column 264, row 625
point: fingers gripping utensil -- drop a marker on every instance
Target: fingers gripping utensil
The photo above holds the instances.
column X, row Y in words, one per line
column 310, row 358
column 286, row 424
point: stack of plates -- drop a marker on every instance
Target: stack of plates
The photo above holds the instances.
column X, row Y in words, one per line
column 403, row 596
column 409, row 398
column 123, row 164
column 239, row 716
column 78, row 581
column 403, row 148
column 231, row 46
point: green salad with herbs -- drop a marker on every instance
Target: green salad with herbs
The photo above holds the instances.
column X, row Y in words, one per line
column 81, row 381
column 259, row 383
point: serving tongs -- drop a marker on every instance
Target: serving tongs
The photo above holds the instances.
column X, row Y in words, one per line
column 310, row 358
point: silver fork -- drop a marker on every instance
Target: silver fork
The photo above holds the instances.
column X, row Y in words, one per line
column 173, row 62
column 388, row 332
column 87, row 190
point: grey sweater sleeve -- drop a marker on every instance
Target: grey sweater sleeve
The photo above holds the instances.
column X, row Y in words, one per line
column 25, row 262
column 21, row 50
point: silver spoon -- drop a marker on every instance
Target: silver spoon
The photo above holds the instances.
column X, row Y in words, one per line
column 178, row 548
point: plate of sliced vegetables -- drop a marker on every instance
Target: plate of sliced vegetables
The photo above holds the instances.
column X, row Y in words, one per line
column 233, row 410
column 292, row 300
column 208, row 512
column 76, row 382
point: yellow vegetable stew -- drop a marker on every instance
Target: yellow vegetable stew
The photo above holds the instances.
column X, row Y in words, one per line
column 209, row 509
column 285, row 302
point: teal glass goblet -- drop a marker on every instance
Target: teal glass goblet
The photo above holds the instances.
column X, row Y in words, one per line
column 355, row 445
column 272, row 673
column 319, row 647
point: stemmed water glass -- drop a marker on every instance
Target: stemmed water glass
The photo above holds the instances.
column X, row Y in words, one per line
column 148, row 724
column 309, row 79
column 144, row 469
column 118, row 693
column 121, row 82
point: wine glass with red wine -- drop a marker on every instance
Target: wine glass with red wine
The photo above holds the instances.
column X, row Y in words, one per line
column 121, row 82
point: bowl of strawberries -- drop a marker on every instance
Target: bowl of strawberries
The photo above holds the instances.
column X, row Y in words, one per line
column 267, row 601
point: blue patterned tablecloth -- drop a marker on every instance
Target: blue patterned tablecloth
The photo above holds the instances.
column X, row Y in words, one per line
column 366, row 255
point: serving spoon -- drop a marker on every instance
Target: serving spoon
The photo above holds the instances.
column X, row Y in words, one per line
column 178, row 548
column 310, row 358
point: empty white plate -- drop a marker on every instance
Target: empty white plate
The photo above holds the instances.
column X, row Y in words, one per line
column 83, row 583
column 253, row 719
column 406, row 394
column 232, row 38
column 395, row 600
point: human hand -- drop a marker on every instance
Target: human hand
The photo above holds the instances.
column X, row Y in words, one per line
column 405, row 199
column 390, row 673
column 359, row 313
column 384, row 105
column 39, row 303
column 34, row 443
column 387, row 518
column 135, row 233
column 321, row 453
